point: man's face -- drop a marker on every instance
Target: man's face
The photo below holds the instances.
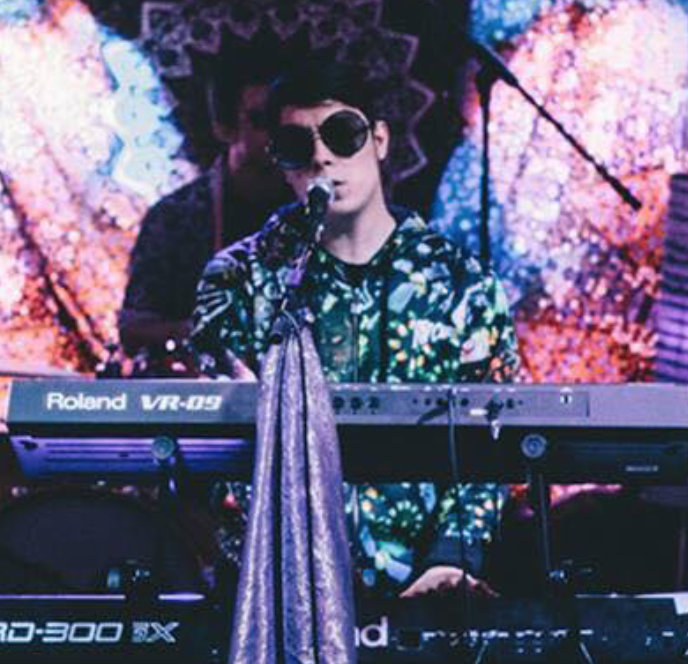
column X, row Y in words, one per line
column 251, row 129
column 248, row 139
column 356, row 177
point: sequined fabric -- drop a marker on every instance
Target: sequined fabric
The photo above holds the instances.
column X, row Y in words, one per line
column 295, row 598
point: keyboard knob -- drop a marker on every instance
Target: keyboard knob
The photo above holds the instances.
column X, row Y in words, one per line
column 534, row 446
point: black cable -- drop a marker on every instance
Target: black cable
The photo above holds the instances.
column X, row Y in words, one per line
column 384, row 324
column 454, row 460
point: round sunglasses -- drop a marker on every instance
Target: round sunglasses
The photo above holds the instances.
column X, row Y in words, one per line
column 293, row 146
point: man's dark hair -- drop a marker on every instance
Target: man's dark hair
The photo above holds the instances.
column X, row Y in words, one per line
column 239, row 64
column 317, row 80
column 225, row 93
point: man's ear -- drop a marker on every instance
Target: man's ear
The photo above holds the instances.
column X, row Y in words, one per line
column 381, row 136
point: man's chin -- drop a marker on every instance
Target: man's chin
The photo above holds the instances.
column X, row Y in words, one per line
column 344, row 206
column 341, row 213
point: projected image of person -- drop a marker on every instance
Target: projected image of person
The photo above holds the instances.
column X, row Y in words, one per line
column 182, row 231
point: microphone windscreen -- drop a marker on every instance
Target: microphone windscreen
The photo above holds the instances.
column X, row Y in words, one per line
column 320, row 193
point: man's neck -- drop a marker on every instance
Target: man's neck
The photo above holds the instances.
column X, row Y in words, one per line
column 357, row 239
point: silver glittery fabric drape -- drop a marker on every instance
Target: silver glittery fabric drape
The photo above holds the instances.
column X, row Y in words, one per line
column 295, row 597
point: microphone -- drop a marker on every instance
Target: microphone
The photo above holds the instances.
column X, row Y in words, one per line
column 319, row 195
column 490, row 60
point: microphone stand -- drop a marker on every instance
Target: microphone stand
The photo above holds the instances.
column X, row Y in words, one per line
column 294, row 313
column 485, row 81
column 492, row 70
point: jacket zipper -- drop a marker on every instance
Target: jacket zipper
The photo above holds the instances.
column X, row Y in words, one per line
column 355, row 324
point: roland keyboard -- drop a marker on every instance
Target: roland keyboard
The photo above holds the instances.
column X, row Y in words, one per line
column 108, row 629
column 111, row 629
column 600, row 629
column 574, row 433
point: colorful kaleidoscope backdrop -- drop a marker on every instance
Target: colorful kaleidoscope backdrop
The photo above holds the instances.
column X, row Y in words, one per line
column 90, row 137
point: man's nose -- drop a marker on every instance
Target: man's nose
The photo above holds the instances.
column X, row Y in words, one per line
column 322, row 155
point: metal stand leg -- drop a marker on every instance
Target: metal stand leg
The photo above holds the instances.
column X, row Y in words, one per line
column 681, row 553
column 556, row 583
column 539, row 496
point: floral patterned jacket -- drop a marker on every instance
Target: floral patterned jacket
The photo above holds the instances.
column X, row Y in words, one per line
column 419, row 311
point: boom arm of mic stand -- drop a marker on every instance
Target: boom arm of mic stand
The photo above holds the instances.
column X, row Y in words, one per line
column 485, row 80
column 493, row 68
column 624, row 192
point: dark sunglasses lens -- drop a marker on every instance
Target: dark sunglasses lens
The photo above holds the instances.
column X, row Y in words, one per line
column 345, row 133
column 292, row 146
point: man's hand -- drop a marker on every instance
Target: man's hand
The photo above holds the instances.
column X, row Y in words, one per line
column 240, row 371
column 443, row 580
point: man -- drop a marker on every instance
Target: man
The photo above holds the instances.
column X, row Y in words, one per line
column 182, row 231
column 392, row 302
